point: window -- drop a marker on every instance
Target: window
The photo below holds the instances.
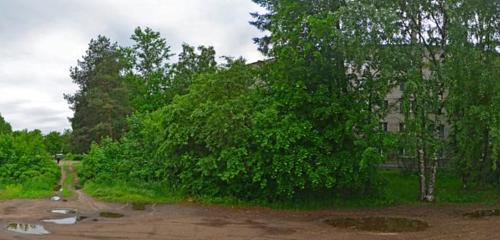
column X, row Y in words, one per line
column 441, row 131
column 401, row 127
column 413, row 106
column 439, row 110
column 401, row 109
column 402, row 151
column 441, row 154
column 383, row 126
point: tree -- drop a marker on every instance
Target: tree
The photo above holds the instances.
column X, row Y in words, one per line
column 325, row 73
column 56, row 143
column 148, row 76
column 190, row 64
column 152, row 80
column 473, row 77
column 101, row 104
column 4, row 126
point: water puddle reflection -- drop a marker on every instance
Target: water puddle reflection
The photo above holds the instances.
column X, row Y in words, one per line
column 34, row 229
column 55, row 198
column 63, row 221
column 63, row 211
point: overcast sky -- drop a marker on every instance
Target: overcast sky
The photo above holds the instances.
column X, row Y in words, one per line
column 40, row 40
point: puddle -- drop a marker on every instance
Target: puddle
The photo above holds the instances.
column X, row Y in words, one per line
column 67, row 220
column 55, row 198
column 111, row 215
column 34, row 229
column 63, row 211
column 483, row 213
column 139, row 206
column 379, row 224
column 62, row 221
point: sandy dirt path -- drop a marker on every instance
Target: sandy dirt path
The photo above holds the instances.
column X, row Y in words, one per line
column 193, row 221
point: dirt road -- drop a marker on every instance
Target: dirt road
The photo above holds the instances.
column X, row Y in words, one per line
column 191, row 221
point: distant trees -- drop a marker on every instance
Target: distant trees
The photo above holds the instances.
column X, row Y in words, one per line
column 101, row 104
column 56, row 143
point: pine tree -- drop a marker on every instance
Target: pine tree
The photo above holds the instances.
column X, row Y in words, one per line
column 101, row 104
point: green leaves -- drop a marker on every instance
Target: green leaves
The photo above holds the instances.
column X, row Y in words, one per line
column 4, row 126
column 23, row 157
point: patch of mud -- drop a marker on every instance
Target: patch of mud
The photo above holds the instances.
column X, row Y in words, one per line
column 110, row 215
column 139, row 206
column 268, row 229
column 24, row 228
column 483, row 213
column 379, row 224
column 215, row 222
column 219, row 222
column 9, row 210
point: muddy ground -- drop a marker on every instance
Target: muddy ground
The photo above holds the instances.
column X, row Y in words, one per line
column 192, row 221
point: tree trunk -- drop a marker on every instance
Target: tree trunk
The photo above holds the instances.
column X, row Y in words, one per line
column 421, row 171
column 432, row 179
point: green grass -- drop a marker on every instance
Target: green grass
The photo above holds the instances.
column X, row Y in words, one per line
column 68, row 182
column 126, row 192
column 400, row 188
column 38, row 187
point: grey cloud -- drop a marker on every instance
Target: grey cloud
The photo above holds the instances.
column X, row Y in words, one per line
column 41, row 39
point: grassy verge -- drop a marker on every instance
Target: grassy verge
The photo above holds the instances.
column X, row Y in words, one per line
column 131, row 192
column 68, row 182
column 402, row 187
column 38, row 187
column 399, row 188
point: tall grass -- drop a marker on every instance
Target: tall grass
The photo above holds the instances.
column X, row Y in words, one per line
column 38, row 187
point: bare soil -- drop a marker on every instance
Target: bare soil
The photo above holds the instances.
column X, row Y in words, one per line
column 194, row 221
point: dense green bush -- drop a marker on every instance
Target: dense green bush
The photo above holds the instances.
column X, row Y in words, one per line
column 227, row 137
column 23, row 158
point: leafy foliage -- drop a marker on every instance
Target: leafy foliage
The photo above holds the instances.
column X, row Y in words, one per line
column 306, row 121
column 474, row 97
column 23, row 158
column 56, row 143
column 4, row 126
